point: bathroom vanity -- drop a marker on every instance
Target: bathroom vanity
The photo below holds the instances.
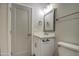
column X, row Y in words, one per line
column 43, row 44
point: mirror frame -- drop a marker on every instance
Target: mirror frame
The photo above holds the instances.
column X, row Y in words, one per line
column 54, row 19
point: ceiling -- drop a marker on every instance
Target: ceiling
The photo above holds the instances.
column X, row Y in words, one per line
column 37, row 4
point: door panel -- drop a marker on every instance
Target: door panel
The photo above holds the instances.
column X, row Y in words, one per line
column 20, row 25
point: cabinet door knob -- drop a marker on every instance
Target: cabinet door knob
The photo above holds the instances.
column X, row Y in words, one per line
column 43, row 40
column 47, row 40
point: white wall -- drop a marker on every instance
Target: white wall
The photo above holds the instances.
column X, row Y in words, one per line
column 68, row 28
column 3, row 29
column 36, row 17
column 66, row 8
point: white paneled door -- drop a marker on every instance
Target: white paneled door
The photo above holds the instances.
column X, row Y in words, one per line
column 20, row 43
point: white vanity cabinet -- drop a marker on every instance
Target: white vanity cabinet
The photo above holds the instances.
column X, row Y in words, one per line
column 47, row 47
column 43, row 46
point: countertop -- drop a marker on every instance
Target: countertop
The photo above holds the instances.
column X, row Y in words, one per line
column 43, row 35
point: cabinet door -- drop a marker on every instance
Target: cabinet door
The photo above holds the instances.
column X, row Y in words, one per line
column 36, row 46
column 47, row 48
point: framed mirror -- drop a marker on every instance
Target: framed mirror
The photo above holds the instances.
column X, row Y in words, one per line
column 49, row 21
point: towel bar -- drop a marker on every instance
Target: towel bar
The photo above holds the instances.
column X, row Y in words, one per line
column 67, row 15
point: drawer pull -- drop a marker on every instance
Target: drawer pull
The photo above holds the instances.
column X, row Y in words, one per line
column 47, row 40
column 43, row 40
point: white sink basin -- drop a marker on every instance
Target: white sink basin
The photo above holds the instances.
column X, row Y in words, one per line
column 44, row 35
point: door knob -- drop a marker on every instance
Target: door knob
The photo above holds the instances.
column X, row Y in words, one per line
column 29, row 34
